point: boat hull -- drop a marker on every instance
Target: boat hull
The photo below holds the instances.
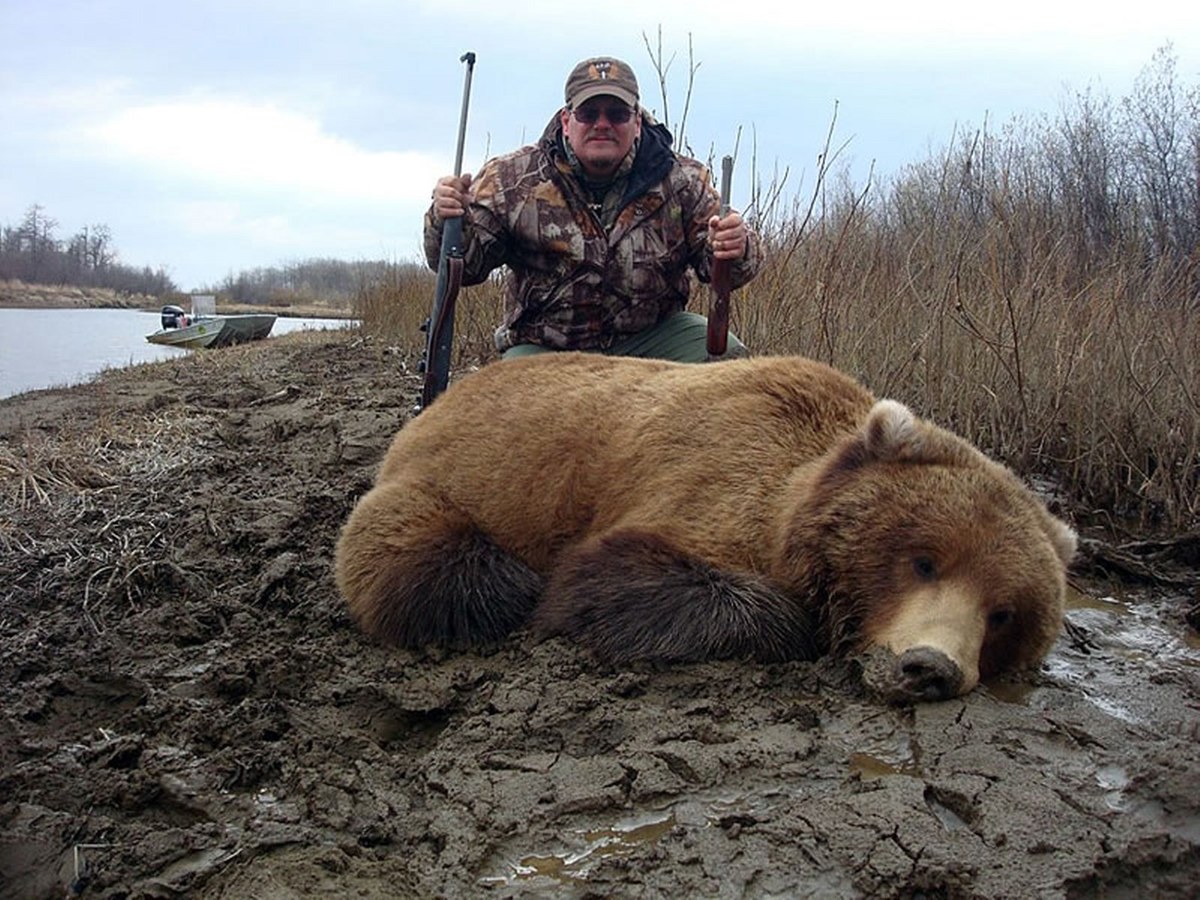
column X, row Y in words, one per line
column 216, row 331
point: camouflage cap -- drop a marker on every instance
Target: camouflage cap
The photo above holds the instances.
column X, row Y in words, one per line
column 602, row 76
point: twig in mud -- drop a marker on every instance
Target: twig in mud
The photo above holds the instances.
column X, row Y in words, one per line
column 1168, row 563
column 87, row 597
column 1078, row 637
column 208, row 518
column 126, row 573
column 82, row 874
column 290, row 391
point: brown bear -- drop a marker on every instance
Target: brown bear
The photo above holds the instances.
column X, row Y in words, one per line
column 766, row 508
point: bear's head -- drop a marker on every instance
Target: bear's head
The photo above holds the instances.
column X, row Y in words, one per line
column 933, row 561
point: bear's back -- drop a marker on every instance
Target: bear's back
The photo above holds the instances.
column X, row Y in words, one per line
column 585, row 440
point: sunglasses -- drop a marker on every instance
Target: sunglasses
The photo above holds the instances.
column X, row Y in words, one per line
column 590, row 115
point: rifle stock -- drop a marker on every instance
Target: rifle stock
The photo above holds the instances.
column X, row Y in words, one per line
column 439, row 327
column 718, row 312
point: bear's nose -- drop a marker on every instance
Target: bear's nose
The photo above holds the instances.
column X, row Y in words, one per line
column 927, row 674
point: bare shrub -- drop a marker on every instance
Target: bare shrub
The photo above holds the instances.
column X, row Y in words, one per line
column 394, row 306
column 1035, row 289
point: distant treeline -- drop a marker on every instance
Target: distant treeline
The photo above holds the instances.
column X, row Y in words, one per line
column 32, row 252
column 305, row 281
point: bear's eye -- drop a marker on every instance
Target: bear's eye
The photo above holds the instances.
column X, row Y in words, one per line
column 998, row 618
column 924, row 568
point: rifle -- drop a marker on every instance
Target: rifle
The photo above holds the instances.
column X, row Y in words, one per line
column 718, row 312
column 439, row 327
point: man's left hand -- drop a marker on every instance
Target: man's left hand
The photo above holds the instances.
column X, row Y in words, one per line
column 727, row 236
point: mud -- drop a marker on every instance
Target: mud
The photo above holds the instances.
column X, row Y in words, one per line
column 188, row 710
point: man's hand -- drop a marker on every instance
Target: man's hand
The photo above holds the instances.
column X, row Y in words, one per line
column 727, row 236
column 450, row 196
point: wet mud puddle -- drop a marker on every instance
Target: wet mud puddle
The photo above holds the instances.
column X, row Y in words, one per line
column 583, row 849
column 1107, row 639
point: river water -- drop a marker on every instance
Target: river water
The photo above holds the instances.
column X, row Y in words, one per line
column 42, row 348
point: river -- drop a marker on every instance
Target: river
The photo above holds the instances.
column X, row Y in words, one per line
column 42, row 348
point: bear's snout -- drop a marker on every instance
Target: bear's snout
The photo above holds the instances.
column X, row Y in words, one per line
column 924, row 673
column 918, row 674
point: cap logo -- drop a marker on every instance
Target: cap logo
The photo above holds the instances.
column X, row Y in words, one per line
column 600, row 75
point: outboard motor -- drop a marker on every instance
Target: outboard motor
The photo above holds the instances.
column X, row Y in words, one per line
column 172, row 316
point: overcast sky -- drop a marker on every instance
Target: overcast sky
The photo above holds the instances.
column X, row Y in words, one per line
column 220, row 135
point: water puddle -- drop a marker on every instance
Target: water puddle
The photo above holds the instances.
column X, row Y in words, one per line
column 707, row 808
column 947, row 818
column 580, row 850
column 1135, row 628
column 586, row 848
column 1114, row 779
column 1016, row 692
column 1106, row 637
column 869, row 768
column 875, row 745
column 1077, row 599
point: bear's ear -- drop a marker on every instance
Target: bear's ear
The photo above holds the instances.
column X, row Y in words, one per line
column 1064, row 539
column 891, row 433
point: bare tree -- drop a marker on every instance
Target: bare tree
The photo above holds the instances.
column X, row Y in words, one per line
column 1162, row 151
column 36, row 241
column 31, row 252
column 661, row 69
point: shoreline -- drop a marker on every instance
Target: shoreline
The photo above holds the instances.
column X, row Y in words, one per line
column 230, row 309
column 18, row 295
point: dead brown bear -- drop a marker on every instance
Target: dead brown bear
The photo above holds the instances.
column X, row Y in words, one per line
column 765, row 508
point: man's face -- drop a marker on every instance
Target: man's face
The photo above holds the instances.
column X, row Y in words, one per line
column 598, row 142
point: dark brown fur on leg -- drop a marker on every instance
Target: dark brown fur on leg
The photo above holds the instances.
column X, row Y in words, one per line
column 473, row 594
column 629, row 595
column 430, row 577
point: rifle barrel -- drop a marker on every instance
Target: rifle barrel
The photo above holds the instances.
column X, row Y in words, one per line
column 440, row 325
column 469, row 59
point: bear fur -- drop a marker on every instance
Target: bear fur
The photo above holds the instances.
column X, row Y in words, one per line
column 767, row 508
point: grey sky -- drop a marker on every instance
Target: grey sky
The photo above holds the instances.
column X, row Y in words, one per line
column 218, row 136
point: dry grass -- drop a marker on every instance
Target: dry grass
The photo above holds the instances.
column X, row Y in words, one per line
column 121, row 541
column 74, row 462
column 395, row 308
column 1094, row 385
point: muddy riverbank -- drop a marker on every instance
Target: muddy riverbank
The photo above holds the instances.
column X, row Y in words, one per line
column 188, row 709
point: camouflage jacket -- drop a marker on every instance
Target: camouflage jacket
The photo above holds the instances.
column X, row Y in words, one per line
column 571, row 283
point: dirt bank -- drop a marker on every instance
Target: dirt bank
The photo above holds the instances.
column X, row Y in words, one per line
column 187, row 708
column 18, row 295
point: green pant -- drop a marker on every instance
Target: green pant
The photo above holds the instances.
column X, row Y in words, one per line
column 681, row 337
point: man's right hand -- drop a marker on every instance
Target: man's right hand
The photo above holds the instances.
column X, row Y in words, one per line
column 450, row 196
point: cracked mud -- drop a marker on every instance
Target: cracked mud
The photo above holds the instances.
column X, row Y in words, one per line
column 188, row 709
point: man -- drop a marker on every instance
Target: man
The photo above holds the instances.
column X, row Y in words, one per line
column 598, row 223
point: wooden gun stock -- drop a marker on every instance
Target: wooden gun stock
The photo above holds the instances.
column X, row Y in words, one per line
column 718, row 313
